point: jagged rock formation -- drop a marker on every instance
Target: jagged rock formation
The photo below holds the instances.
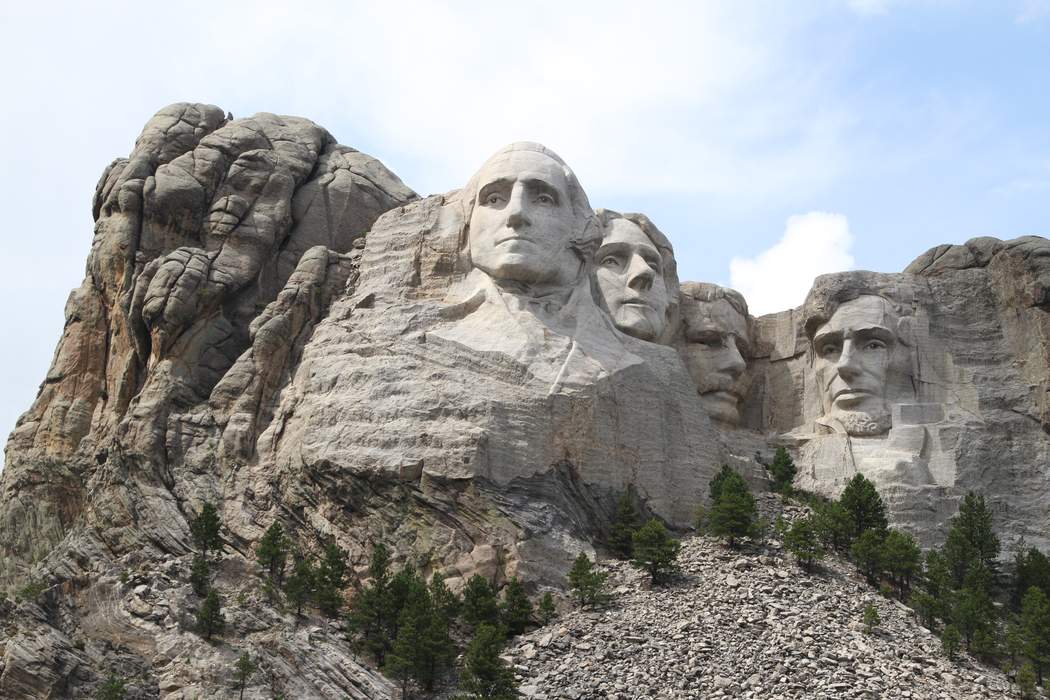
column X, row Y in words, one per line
column 275, row 323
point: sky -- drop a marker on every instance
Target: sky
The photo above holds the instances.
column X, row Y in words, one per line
column 770, row 141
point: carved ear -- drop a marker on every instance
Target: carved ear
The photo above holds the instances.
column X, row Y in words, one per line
column 589, row 240
column 906, row 331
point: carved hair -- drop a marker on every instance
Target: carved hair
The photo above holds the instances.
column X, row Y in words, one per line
column 588, row 236
column 707, row 292
column 832, row 291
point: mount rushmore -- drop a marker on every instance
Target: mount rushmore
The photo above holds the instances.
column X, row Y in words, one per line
column 275, row 323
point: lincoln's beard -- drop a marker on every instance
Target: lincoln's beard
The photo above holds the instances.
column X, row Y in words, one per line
column 862, row 423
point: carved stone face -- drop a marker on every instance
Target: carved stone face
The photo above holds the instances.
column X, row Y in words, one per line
column 522, row 220
column 717, row 343
column 630, row 278
column 853, row 355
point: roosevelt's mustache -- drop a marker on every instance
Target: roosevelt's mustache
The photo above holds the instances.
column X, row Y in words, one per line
column 721, row 382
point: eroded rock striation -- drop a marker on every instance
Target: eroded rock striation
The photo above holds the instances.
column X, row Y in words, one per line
column 275, row 323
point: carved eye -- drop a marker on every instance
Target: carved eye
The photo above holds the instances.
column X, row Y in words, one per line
column 874, row 345
column 493, row 198
column 610, row 261
column 545, row 199
column 829, row 350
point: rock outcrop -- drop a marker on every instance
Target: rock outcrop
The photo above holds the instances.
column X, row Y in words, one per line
column 274, row 323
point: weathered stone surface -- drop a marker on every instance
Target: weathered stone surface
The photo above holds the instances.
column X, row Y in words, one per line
column 955, row 399
column 473, row 383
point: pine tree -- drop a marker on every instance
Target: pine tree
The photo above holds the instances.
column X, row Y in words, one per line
column 972, row 613
column 1035, row 625
column 546, row 610
column 970, row 538
column 715, row 486
column 587, row 583
column 242, row 672
column 516, row 609
column 484, row 674
column 902, row 558
column 206, row 529
column 210, row 620
column 446, row 603
column 925, row 606
column 734, row 513
column 834, row 526
column 655, row 551
column 950, row 641
column 783, row 471
column 112, row 688
column 802, row 541
column 273, row 551
column 871, row 618
column 330, row 580
column 864, row 505
column 370, row 610
column 299, row 587
column 1031, row 568
column 200, row 574
column 624, row 525
column 480, row 605
column 866, row 553
column 1026, row 679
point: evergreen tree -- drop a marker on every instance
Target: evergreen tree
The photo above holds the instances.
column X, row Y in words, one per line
column 925, row 606
column 950, row 641
column 200, row 574
column 405, row 587
column 210, row 620
column 546, row 610
column 715, row 486
column 112, row 688
column 1014, row 639
column 624, row 525
column 938, row 582
column 370, row 610
column 902, row 558
column 205, row 529
column 783, row 471
column 299, row 587
column 422, row 649
column 1026, row 681
column 655, row 551
column 242, row 672
column 970, row 538
column 480, row 605
column 586, row 582
column 972, row 613
column 329, row 580
column 866, row 553
column 516, row 610
column 273, row 551
column 446, row 603
column 484, row 674
column 1031, row 568
column 864, row 505
column 1035, row 625
column 802, row 541
column 734, row 514
column 871, row 618
column 834, row 526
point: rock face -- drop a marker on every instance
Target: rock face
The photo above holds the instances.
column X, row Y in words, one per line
column 274, row 323
column 932, row 382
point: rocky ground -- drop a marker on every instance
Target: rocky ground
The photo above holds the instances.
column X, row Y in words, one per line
column 744, row 624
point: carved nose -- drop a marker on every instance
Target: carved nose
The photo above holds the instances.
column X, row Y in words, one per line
column 639, row 275
column 735, row 363
column 846, row 366
column 517, row 217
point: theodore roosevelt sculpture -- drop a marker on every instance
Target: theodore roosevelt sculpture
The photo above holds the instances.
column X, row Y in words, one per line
column 635, row 275
column 715, row 344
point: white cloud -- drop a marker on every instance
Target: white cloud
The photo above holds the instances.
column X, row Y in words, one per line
column 779, row 277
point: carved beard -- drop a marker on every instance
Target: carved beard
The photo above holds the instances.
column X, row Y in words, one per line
column 863, row 424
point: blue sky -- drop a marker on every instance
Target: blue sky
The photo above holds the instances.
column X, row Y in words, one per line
column 794, row 138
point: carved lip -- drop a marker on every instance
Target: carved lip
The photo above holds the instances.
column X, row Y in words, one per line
column 846, row 393
column 636, row 302
column 511, row 237
column 724, row 394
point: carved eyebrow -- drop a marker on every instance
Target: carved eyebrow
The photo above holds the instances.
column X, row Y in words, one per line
column 611, row 247
column 544, row 187
column 824, row 337
column 501, row 183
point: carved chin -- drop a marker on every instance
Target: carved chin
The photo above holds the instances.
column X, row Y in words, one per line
column 722, row 406
column 635, row 322
column 862, row 423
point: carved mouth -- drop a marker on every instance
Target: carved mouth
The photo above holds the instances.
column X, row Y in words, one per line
column 723, row 394
column 636, row 302
column 851, row 393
